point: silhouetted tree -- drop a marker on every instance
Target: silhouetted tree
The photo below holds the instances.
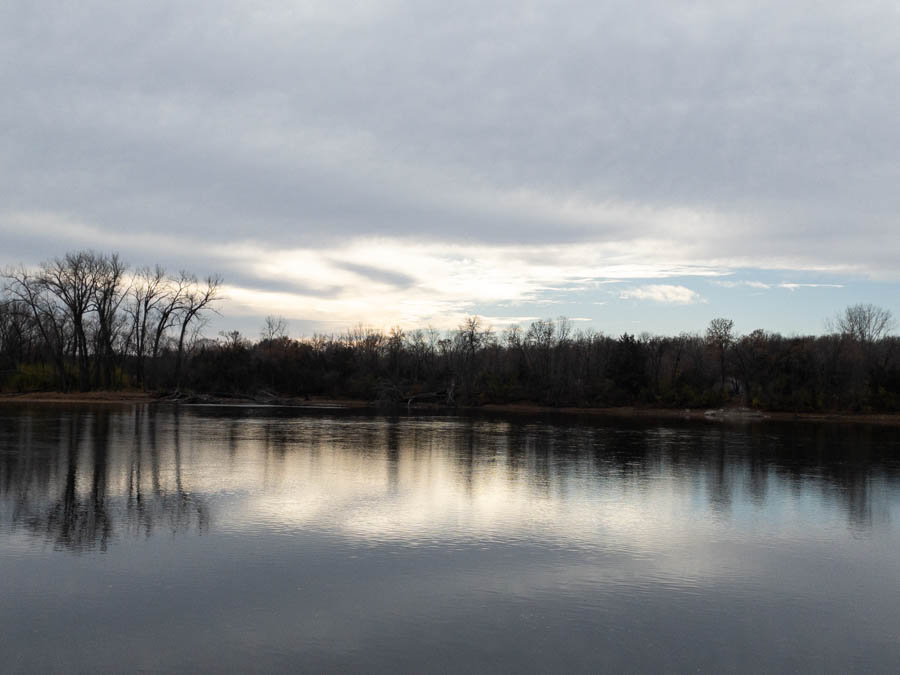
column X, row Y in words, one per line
column 719, row 336
column 72, row 279
column 863, row 322
column 274, row 327
column 195, row 301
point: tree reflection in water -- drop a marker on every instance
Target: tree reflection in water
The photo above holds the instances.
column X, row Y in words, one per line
column 80, row 477
column 78, row 485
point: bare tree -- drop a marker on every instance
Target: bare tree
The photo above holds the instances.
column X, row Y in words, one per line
column 719, row 336
column 470, row 335
column 540, row 339
column 148, row 290
column 655, row 348
column 233, row 339
column 679, row 343
column 108, row 295
column 416, row 344
column 274, row 328
column 368, row 342
column 196, row 300
column 50, row 318
column 563, row 330
column 165, row 313
column 395, row 341
column 864, row 323
column 72, row 279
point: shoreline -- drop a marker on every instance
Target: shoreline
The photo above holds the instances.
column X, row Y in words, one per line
column 698, row 414
column 113, row 397
column 626, row 412
column 132, row 397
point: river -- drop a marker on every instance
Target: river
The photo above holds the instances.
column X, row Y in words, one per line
column 215, row 538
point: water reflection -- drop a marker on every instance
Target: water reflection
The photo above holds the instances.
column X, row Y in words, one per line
column 80, row 478
column 200, row 539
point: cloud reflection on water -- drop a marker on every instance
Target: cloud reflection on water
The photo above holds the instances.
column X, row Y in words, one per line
column 86, row 477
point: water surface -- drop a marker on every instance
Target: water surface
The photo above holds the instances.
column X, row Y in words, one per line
column 210, row 538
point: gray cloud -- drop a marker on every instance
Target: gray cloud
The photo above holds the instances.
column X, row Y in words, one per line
column 368, row 272
column 307, row 125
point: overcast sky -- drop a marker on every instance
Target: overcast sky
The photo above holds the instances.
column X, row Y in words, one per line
column 633, row 166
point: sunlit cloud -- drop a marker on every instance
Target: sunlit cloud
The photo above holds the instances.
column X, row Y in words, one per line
column 667, row 293
column 440, row 284
column 724, row 283
column 794, row 287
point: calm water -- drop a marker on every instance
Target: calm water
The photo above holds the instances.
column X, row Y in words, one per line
column 231, row 539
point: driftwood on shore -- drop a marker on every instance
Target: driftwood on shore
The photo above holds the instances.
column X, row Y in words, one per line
column 390, row 394
column 735, row 414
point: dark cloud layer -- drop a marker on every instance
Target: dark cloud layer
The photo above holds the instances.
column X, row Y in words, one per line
column 309, row 124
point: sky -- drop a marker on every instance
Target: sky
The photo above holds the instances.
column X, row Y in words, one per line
column 632, row 166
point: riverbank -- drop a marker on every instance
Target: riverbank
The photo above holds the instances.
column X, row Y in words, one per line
column 131, row 397
column 713, row 415
column 78, row 397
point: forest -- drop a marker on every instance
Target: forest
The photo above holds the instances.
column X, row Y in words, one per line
column 86, row 321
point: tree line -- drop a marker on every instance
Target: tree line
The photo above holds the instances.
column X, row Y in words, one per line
column 85, row 321
column 856, row 367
